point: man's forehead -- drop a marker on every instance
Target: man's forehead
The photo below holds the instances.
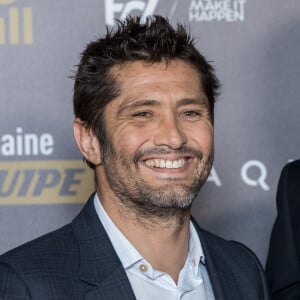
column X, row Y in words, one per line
column 151, row 76
column 144, row 83
column 121, row 70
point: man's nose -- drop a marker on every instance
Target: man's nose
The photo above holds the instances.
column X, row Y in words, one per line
column 170, row 133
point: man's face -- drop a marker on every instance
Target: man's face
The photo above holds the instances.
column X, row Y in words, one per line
column 159, row 137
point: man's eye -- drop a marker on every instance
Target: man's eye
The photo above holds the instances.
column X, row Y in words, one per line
column 142, row 114
column 192, row 113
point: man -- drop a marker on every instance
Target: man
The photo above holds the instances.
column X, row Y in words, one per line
column 143, row 101
column 283, row 262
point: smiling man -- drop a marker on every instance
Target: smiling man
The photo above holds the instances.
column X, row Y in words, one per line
column 144, row 103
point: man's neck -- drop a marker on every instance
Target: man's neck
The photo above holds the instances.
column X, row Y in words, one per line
column 164, row 243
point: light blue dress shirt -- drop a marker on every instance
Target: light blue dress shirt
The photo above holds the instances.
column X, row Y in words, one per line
column 148, row 283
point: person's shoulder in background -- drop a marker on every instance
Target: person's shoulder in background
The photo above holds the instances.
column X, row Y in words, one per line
column 283, row 263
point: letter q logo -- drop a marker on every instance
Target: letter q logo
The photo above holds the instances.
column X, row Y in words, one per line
column 112, row 8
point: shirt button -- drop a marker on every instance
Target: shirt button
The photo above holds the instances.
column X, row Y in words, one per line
column 194, row 262
column 143, row 268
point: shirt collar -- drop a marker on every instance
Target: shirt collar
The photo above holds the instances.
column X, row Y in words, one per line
column 195, row 252
column 129, row 255
column 124, row 249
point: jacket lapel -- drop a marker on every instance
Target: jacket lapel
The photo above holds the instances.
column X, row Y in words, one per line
column 220, row 274
column 101, row 271
column 115, row 287
column 234, row 271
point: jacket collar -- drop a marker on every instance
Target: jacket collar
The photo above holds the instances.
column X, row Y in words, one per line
column 99, row 263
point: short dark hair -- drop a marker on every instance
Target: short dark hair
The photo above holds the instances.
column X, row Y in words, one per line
column 152, row 41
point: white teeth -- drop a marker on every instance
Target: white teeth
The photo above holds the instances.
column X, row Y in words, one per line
column 168, row 164
column 175, row 164
column 157, row 163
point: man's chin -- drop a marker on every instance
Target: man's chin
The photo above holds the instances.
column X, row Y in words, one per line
column 171, row 199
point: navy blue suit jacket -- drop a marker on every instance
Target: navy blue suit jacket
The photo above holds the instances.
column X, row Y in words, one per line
column 78, row 262
column 283, row 262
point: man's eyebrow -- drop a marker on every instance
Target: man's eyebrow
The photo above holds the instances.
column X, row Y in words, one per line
column 188, row 101
column 137, row 103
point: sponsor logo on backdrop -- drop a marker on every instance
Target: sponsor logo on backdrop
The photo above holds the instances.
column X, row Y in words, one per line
column 118, row 9
column 217, row 10
column 15, row 23
column 45, row 182
column 20, row 143
column 42, row 181
column 253, row 173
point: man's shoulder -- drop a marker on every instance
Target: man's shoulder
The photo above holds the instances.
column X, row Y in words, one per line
column 233, row 267
column 56, row 245
column 288, row 190
column 216, row 241
column 236, row 254
column 294, row 164
column 291, row 169
column 35, row 269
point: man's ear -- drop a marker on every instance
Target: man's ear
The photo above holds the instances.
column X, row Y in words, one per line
column 87, row 142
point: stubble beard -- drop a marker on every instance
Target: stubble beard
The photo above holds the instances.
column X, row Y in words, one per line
column 168, row 206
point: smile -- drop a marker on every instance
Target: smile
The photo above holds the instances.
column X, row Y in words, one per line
column 166, row 164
